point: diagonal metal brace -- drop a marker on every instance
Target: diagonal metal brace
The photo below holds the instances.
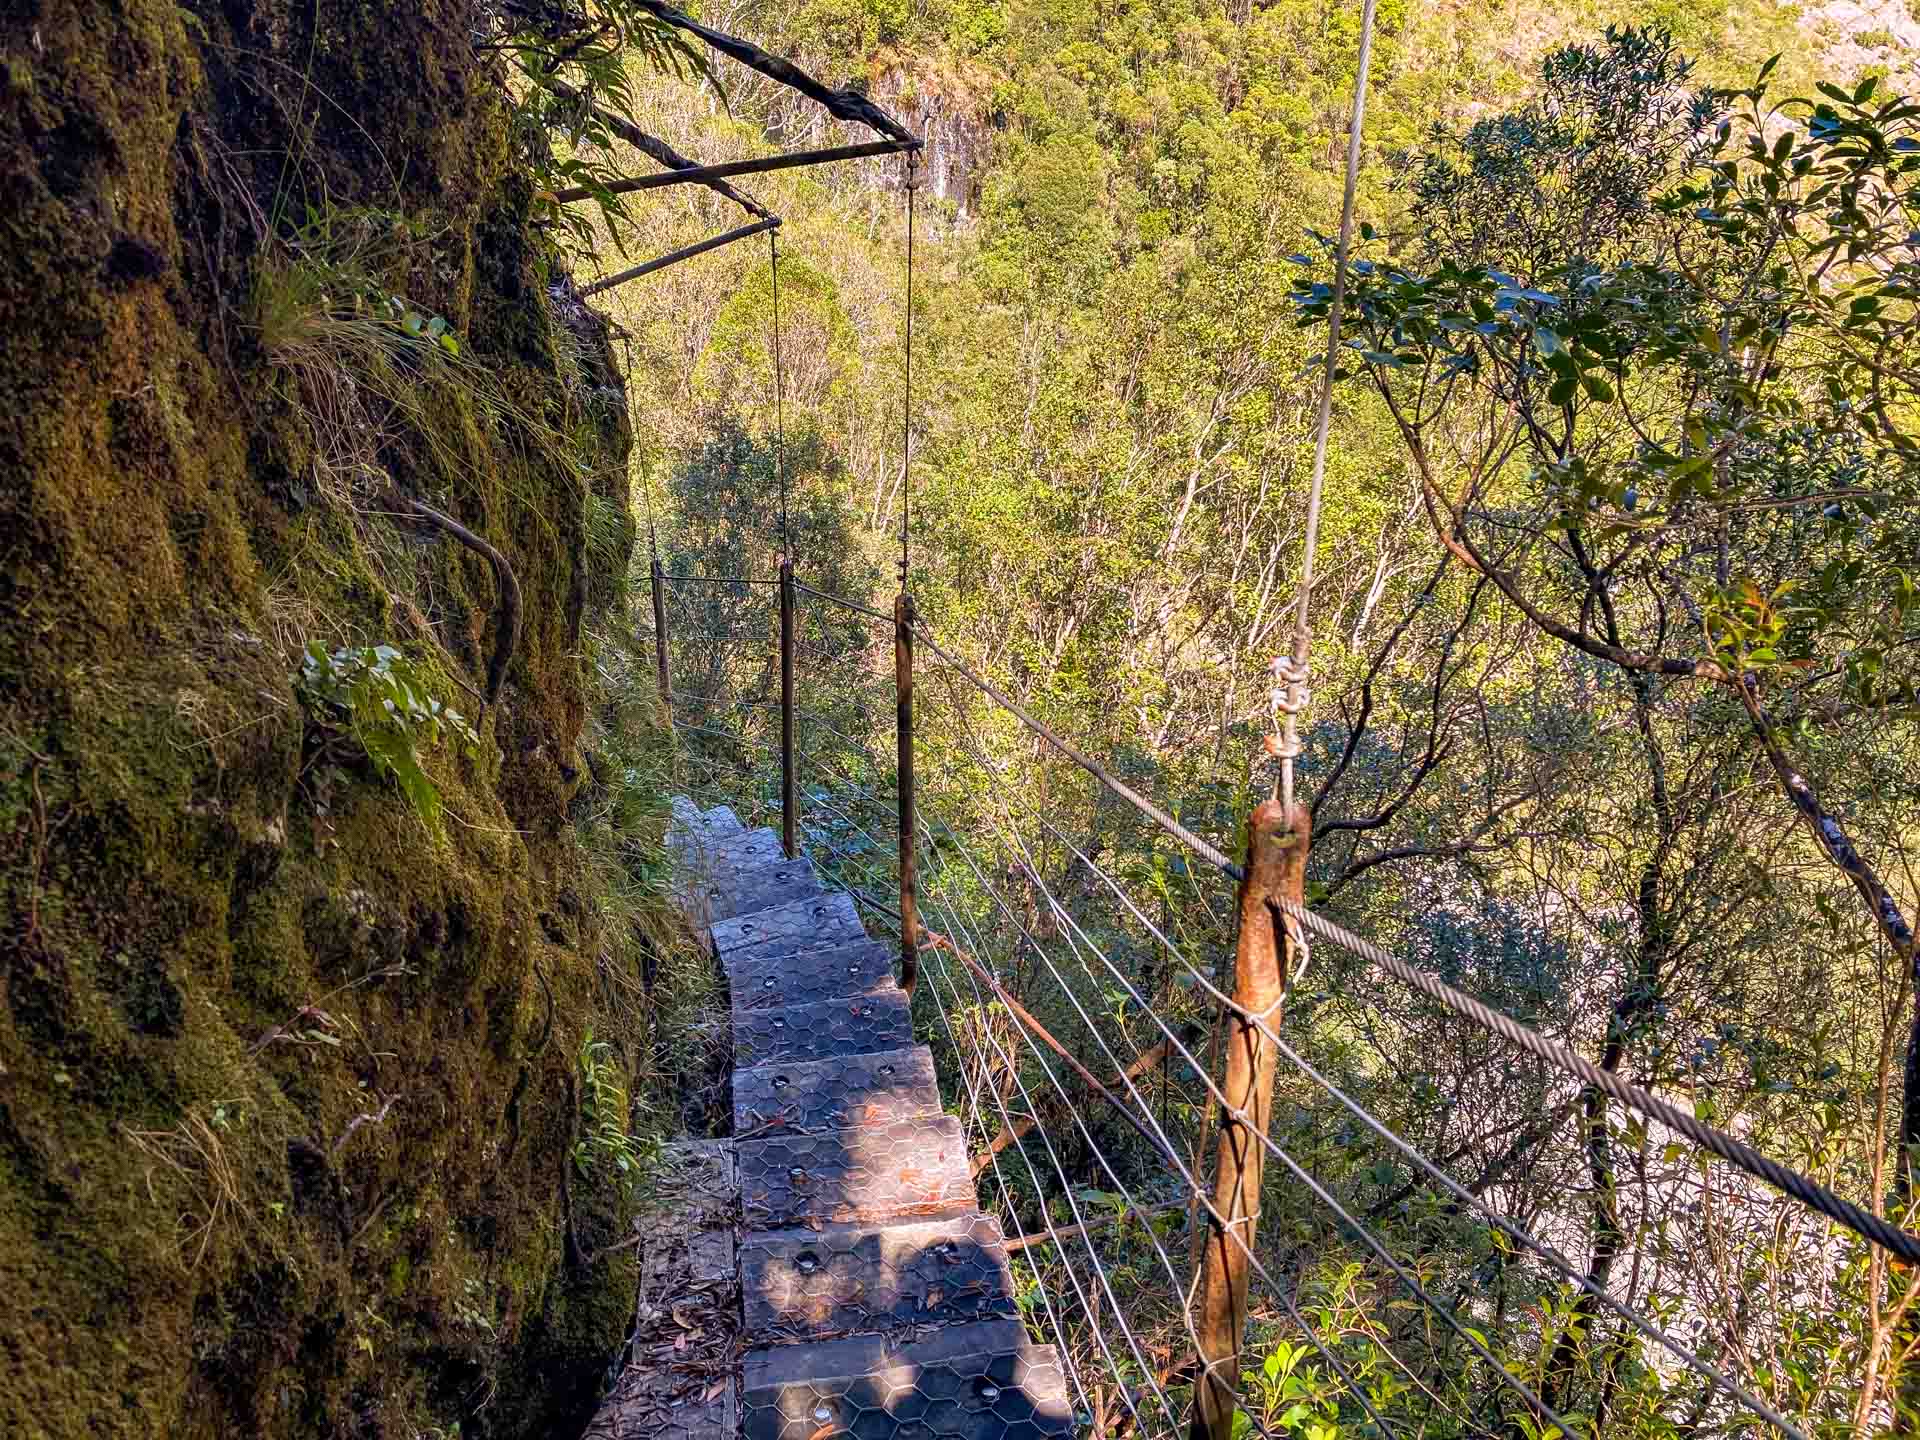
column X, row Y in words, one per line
column 685, row 252
column 703, row 174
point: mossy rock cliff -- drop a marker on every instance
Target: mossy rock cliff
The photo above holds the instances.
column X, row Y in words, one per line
column 288, row 1076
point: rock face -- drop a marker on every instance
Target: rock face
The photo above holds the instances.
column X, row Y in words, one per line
column 950, row 112
column 288, row 1075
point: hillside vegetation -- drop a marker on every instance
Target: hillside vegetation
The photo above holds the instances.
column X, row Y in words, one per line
column 1612, row 715
column 327, row 869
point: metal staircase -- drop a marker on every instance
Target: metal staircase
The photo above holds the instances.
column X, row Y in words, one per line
column 876, row 1298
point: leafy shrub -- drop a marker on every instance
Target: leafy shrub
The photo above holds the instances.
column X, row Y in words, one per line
column 378, row 698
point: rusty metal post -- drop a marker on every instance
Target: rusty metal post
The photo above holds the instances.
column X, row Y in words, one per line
column 789, row 809
column 660, row 636
column 903, row 730
column 1276, row 866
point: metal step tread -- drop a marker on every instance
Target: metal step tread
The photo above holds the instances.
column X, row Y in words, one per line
column 904, row 1169
column 691, row 825
column 873, row 1088
column 844, row 1025
column 808, row 977
column 980, row 1381
column 763, row 885
column 802, row 1284
column 785, row 929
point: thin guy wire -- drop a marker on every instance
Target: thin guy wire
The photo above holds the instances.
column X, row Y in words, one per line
column 1144, row 806
column 1545, row 1252
column 779, row 414
column 1373, row 1242
column 1681, row 1352
column 1296, row 676
column 1703, row 1367
column 1106, row 1165
column 1046, row 1140
column 906, row 401
column 1193, row 1185
column 1011, row 1211
column 1007, row 1199
column 1140, row 1100
column 1170, row 1152
column 1274, row 1148
column 1093, row 1148
column 1162, row 1140
column 738, row 701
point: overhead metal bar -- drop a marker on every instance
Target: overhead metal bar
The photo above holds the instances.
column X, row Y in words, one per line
column 701, row 174
column 686, row 252
column 848, row 105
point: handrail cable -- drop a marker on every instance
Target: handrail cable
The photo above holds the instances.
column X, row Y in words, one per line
column 1170, row 1151
column 1099, row 772
column 1160, row 1139
column 1703, row 1367
column 1900, row 1243
column 1871, row 1227
column 1279, row 1152
column 843, row 602
column 719, row 580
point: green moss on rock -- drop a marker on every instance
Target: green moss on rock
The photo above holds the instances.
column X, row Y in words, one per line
column 284, row 1084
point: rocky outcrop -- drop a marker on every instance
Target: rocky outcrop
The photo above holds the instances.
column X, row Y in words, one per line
column 288, row 1074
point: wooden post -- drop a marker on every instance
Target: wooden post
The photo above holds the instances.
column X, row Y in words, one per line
column 660, row 637
column 789, row 809
column 903, row 730
column 1276, row 865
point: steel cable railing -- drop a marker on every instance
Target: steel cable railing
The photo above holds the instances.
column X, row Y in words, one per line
column 1801, row 1187
column 1537, row 1405
column 980, row 1049
column 1521, row 1236
column 1169, row 1153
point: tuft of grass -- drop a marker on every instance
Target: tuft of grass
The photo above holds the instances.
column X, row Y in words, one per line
column 193, row 1155
column 379, row 377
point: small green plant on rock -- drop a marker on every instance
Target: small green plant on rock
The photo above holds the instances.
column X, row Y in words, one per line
column 376, row 698
column 606, row 1144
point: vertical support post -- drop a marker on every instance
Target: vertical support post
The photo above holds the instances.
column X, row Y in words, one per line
column 903, row 729
column 660, row 636
column 1263, row 960
column 789, row 808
